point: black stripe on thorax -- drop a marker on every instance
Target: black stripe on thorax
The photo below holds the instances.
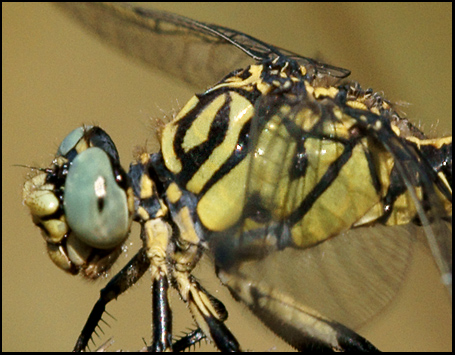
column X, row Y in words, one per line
column 197, row 156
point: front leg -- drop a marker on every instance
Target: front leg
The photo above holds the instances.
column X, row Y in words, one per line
column 127, row 277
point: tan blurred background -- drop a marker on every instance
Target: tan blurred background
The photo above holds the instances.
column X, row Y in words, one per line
column 56, row 77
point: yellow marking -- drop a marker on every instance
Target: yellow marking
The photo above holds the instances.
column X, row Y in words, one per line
column 81, row 146
column 171, row 159
column 163, row 209
column 167, row 148
column 253, row 80
column 146, row 187
column 436, row 142
column 194, row 101
column 144, row 158
column 221, row 207
column 384, row 164
column 404, row 209
column 372, row 215
column 130, row 202
column 186, row 226
column 309, row 88
column 236, row 82
column 375, row 110
column 338, row 113
column 396, row 130
column 173, row 193
column 385, row 105
column 199, row 131
column 279, row 193
column 335, row 210
column 446, row 183
column 356, row 105
column 142, row 212
column 325, row 92
column 335, row 129
column 60, row 161
column 241, row 110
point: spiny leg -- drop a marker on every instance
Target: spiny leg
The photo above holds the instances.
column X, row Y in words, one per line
column 208, row 312
column 298, row 325
column 190, row 339
column 127, row 277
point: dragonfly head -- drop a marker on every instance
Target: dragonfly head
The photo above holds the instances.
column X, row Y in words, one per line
column 83, row 204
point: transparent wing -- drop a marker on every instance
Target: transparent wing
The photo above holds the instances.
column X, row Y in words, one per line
column 434, row 215
column 431, row 197
column 294, row 193
column 197, row 53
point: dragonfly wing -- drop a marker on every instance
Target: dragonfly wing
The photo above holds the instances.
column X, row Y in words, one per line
column 179, row 46
column 310, row 181
column 197, row 53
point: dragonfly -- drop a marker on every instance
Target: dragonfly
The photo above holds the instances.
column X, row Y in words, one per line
column 301, row 132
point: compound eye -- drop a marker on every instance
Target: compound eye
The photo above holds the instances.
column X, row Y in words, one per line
column 71, row 140
column 95, row 205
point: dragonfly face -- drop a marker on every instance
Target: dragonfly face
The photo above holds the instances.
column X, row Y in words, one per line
column 260, row 208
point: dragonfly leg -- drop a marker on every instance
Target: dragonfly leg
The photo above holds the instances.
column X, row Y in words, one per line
column 127, row 277
column 157, row 238
column 300, row 326
column 189, row 340
column 208, row 312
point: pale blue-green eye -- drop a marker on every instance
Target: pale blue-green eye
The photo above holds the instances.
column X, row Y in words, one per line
column 71, row 140
column 95, row 205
